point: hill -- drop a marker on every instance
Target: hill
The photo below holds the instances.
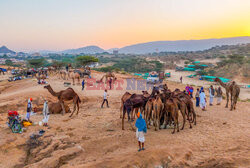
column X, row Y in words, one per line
column 85, row 50
column 5, row 50
column 182, row 45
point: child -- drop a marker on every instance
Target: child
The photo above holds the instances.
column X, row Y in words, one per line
column 105, row 98
column 141, row 128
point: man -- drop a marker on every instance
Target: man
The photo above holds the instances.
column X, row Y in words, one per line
column 45, row 113
column 29, row 109
column 181, row 79
column 203, row 100
column 83, row 83
column 105, row 98
column 211, row 95
column 110, row 83
column 219, row 95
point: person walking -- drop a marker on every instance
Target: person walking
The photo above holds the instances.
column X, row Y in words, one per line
column 203, row 100
column 141, row 128
column 181, row 79
column 45, row 113
column 83, row 83
column 197, row 97
column 105, row 98
column 110, row 83
column 211, row 95
column 187, row 89
column 29, row 109
column 191, row 90
column 219, row 95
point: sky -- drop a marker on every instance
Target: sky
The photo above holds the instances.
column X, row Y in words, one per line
column 33, row 25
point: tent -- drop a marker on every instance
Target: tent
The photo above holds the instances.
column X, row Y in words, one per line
column 212, row 78
column 191, row 66
column 168, row 74
column 192, row 75
column 189, row 69
column 196, row 62
column 137, row 74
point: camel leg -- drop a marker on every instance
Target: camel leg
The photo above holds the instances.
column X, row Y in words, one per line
column 227, row 94
column 231, row 98
column 184, row 118
column 62, row 105
column 73, row 80
column 123, row 116
column 73, row 110
column 121, row 109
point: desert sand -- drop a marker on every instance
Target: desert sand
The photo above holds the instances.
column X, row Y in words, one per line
column 94, row 138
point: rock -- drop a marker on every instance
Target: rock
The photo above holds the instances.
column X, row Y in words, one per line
column 57, row 158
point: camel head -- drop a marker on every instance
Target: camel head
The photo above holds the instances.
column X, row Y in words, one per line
column 47, row 86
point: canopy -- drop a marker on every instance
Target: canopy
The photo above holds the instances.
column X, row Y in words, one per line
column 4, row 70
column 191, row 66
column 189, row 69
column 212, row 78
column 196, row 62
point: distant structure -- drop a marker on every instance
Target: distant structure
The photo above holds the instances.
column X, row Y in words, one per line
column 115, row 52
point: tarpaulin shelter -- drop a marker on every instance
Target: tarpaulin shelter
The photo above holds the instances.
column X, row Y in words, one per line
column 189, row 69
column 212, row 78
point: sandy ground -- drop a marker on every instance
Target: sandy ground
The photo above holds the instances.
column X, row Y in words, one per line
column 94, row 138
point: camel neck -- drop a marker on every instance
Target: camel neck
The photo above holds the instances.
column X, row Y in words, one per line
column 52, row 91
column 222, row 84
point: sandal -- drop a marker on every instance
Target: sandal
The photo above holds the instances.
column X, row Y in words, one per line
column 139, row 150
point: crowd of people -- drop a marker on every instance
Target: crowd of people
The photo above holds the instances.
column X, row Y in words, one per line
column 200, row 96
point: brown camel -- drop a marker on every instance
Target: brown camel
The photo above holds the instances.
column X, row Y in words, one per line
column 172, row 108
column 148, row 111
column 65, row 95
column 63, row 74
column 231, row 88
column 107, row 76
column 56, row 108
column 157, row 111
column 135, row 101
column 181, row 96
column 75, row 76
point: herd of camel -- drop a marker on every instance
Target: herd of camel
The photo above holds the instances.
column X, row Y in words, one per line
column 161, row 107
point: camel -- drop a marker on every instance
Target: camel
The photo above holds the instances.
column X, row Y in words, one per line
column 75, row 76
column 65, row 95
column 157, row 111
column 135, row 101
column 107, row 75
column 148, row 111
column 231, row 88
column 63, row 74
column 181, row 96
column 56, row 108
column 172, row 108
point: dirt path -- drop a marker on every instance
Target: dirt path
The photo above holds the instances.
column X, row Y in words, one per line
column 94, row 138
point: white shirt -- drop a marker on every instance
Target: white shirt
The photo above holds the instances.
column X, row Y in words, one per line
column 105, row 95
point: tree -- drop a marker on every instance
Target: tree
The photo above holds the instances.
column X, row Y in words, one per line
column 8, row 62
column 85, row 60
column 36, row 62
column 57, row 64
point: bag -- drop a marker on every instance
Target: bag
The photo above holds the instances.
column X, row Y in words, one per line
column 12, row 113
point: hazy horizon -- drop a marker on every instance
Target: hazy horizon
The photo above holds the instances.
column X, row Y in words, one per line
column 61, row 24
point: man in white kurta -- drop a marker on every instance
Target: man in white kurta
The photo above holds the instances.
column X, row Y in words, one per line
column 45, row 113
column 203, row 100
